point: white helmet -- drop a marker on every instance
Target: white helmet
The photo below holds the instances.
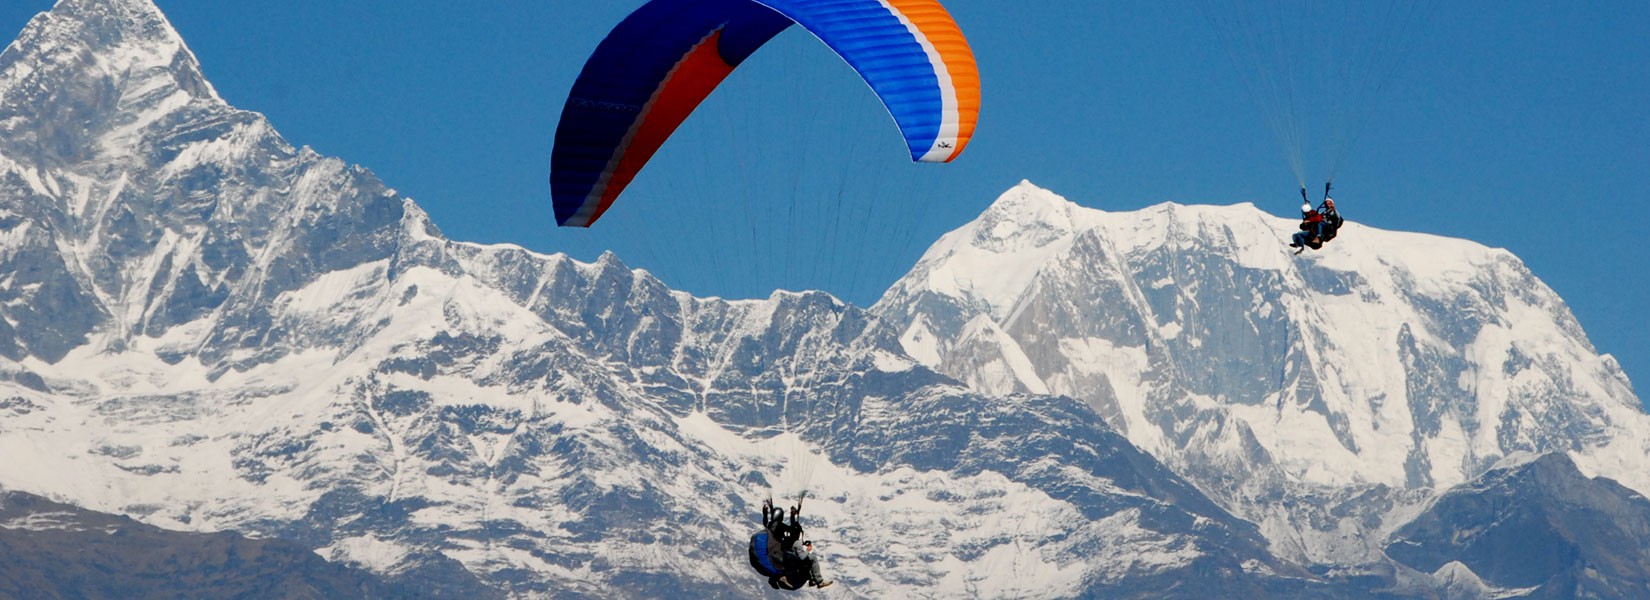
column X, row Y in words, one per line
column 1306, row 208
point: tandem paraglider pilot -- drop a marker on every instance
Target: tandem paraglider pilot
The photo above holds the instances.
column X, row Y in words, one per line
column 1318, row 225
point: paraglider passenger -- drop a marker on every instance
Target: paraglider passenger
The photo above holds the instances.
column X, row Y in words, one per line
column 801, row 560
column 1311, row 233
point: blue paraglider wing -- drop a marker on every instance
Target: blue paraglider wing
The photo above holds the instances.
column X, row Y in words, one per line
column 662, row 61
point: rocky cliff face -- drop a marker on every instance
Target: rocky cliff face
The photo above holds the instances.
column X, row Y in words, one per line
column 139, row 203
column 207, row 329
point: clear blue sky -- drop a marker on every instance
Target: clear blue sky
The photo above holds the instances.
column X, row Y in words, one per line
column 1522, row 124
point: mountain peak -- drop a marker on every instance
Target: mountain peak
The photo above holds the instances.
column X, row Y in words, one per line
column 99, row 57
column 989, row 261
column 95, row 26
column 992, row 260
column 136, row 10
column 1027, row 203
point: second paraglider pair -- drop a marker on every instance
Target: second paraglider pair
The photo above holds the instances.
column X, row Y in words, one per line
column 1318, row 225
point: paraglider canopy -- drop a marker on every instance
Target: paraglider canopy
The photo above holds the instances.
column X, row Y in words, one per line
column 662, row 61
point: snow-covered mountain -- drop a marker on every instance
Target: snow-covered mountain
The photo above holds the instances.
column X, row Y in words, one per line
column 207, row 329
column 1388, row 364
column 212, row 330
